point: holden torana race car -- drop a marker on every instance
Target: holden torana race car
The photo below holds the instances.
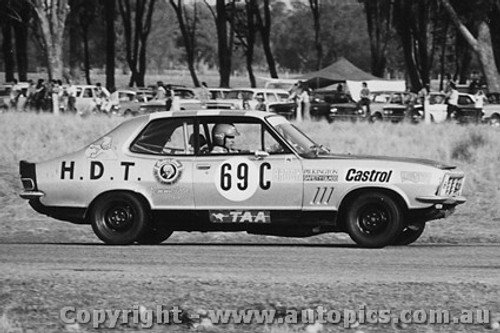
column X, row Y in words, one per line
column 227, row 170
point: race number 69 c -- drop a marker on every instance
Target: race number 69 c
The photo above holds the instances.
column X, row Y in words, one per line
column 238, row 178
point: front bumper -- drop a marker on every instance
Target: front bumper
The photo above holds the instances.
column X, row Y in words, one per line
column 442, row 200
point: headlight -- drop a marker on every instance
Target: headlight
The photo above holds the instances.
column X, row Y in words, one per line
column 387, row 111
column 415, row 177
column 333, row 110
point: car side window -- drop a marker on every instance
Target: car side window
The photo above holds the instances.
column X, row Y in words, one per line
column 87, row 93
column 165, row 137
column 464, row 100
column 237, row 137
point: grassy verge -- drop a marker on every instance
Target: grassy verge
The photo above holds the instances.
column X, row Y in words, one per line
column 473, row 149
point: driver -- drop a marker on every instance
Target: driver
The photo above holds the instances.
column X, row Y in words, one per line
column 223, row 136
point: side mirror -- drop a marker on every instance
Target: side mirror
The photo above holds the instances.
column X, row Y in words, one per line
column 259, row 154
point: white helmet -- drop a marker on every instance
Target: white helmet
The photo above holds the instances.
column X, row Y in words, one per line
column 221, row 131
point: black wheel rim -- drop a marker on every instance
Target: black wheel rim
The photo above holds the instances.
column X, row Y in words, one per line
column 119, row 217
column 373, row 219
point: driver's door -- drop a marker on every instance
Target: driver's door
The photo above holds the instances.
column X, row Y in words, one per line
column 262, row 175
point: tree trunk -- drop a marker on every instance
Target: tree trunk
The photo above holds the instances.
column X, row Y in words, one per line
column 21, row 36
column 265, row 33
column 224, row 43
column 52, row 18
column 188, row 35
column 109, row 14
column 8, row 49
column 86, row 55
column 314, row 4
column 482, row 45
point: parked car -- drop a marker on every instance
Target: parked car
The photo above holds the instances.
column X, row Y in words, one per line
column 218, row 99
column 129, row 102
column 273, row 100
column 185, row 99
column 236, row 171
column 389, row 106
column 333, row 105
column 491, row 109
column 467, row 110
column 87, row 97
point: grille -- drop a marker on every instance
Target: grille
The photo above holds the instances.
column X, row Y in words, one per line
column 451, row 186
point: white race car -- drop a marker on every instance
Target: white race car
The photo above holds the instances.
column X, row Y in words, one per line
column 216, row 170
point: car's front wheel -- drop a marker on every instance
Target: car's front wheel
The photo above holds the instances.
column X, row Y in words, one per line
column 119, row 218
column 410, row 234
column 374, row 219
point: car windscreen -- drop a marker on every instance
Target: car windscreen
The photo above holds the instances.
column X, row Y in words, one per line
column 239, row 94
column 304, row 146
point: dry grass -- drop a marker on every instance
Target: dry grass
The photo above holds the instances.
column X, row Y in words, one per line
column 473, row 149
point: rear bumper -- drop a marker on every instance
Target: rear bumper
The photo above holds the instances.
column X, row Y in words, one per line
column 70, row 214
column 31, row 194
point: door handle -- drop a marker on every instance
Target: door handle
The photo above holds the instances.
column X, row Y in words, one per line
column 203, row 166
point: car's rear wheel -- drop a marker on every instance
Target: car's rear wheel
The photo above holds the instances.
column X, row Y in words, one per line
column 410, row 234
column 155, row 235
column 119, row 218
column 374, row 219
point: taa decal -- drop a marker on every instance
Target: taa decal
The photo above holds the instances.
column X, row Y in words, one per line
column 372, row 176
column 238, row 178
column 240, row 216
column 167, row 171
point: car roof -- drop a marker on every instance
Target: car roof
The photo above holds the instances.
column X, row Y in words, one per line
column 211, row 113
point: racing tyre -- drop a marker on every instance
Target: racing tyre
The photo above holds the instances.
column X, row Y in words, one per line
column 409, row 234
column 155, row 236
column 119, row 218
column 374, row 220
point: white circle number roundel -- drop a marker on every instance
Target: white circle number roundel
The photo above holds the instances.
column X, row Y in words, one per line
column 237, row 178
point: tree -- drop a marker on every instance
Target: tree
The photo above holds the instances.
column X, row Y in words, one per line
column 379, row 22
column 264, row 26
column 109, row 15
column 51, row 15
column 21, row 16
column 136, row 36
column 243, row 20
column 225, row 39
column 187, row 25
column 315, row 9
column 7, row 45
column 482, row 44
column 412, row 21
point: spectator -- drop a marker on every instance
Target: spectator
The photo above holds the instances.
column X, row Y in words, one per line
column 305, row 101
column 71, row 92
column 160, row 91
column 452, row 101
column 101, row 97
column 480, row 98
column 364, row 100
column 169, row 95
column 340, row 88
column 15, row 92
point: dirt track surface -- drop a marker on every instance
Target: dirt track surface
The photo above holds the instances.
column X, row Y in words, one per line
column 424, row 263
column 38, row 280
